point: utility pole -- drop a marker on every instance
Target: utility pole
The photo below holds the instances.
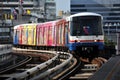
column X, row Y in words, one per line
column 118, row 43
column 45, row 14
column 20, row 7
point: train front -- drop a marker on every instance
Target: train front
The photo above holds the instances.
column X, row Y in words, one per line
column 86, row 37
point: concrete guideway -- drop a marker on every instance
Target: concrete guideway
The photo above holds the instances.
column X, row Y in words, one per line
column 47, row 69
column 5, row 52
column 5, row 48
column 109, row 71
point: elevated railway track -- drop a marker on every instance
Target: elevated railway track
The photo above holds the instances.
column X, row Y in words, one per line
column 109, row 71
column 74, row 70
column 14, row 62
column 36, row 70
column 56, row 66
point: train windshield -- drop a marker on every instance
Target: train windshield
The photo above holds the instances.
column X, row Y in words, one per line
column 86, row 25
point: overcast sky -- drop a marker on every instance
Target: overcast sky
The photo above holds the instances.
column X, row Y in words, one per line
column 62, row 5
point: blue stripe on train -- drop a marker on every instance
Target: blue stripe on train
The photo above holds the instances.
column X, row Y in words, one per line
column 72, row 46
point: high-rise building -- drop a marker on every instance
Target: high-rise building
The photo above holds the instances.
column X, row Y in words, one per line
column 38, row 9
column 109, row 9
column 14, row 12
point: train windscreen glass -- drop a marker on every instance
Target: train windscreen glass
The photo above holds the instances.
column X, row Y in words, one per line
column 86, row 25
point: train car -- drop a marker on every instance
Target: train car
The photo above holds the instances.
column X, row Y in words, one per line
column 86, row 36
column 17, row 34
column 51, row 33
column 60, row 31
column 47, row 27
column 39, row 35
column 46, row 34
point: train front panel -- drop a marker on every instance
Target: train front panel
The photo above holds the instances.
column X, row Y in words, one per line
column 86, row 32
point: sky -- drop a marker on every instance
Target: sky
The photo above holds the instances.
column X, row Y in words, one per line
column 62, row 5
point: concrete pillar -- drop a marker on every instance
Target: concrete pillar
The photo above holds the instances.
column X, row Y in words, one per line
column 118, row 43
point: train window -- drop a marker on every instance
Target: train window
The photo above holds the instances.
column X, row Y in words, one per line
column 86, row 25
column 87, row 30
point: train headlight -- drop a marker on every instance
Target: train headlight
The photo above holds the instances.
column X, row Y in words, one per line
column 96, row 40
column 79, row 41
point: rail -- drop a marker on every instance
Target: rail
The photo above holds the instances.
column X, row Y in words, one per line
column 53, row 70
column 33, row 70
column 43, row 70
column 16, row 64
column 4, row 49
column 66, row 61
column 71, row 70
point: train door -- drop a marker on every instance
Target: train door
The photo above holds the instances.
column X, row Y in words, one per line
column 45, row 35
column 43, row 29
column 37, row 35
column 58, row 35
column 30, row 35
column 40, row 36
column 34, row 34
column 24, row 34
column 20, row 35
column 61, row 33
column 50, row 37
column 55, row 35
column 66, row 33
column 15, row 36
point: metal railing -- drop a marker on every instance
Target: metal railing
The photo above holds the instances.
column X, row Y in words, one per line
column 33, row 70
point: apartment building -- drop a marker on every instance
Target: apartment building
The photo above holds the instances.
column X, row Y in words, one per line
column 38, row 9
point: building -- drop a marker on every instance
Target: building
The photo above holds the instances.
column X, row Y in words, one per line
column 50, row 8
column 110, row 9
column 45, row 9
column 37, row 9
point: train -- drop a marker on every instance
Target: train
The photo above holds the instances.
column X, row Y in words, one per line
column 80, row 34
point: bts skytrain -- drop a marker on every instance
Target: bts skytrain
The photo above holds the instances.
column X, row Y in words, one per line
column 81, row 34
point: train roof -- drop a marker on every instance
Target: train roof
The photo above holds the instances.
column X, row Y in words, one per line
column 50, row 22
column 84, row 14
column 15, row 27
column 18, row 26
